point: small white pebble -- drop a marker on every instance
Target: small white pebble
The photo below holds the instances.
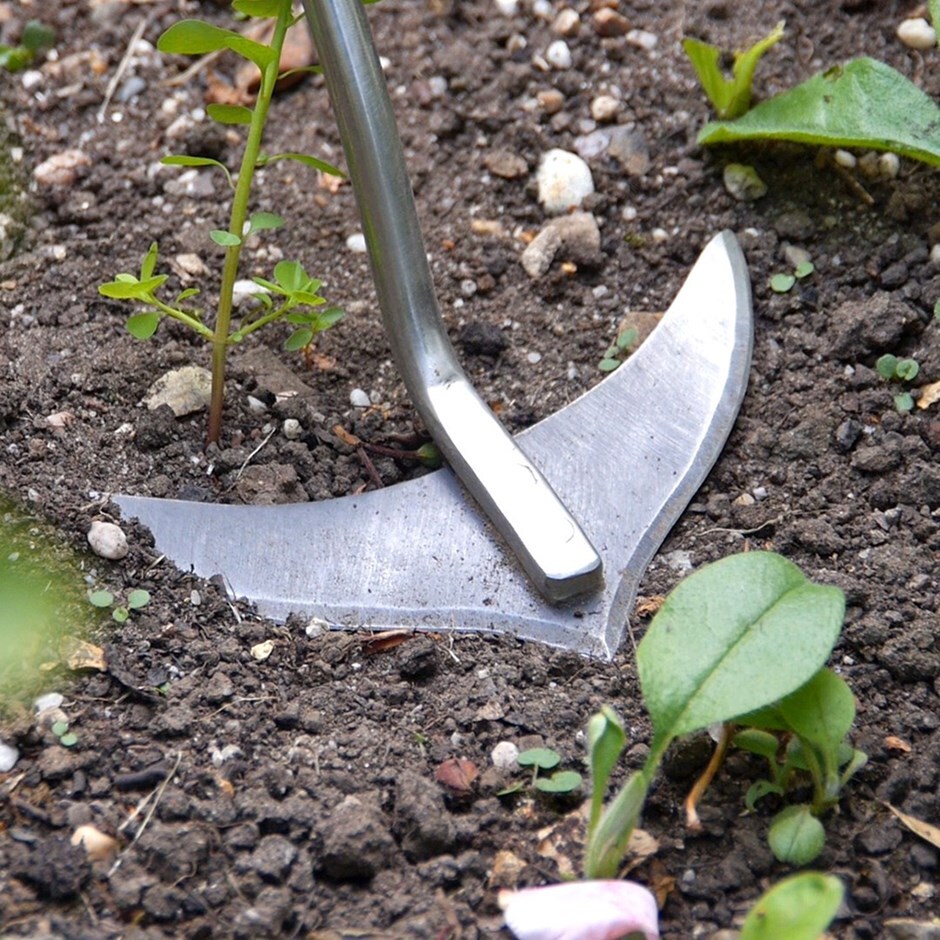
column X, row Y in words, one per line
column 890, row 165
column 316, row 627
column 542, row 9
column 292, row 429
column 558, row 55
column 195, row 598
column 504, row 755
column 31, row 79
column 567, row 22
column 356, row 243
column 935, row 253
column 534, row 358
column 47, row 701
column 604, row 108
column 507, row 7
column 564, row 180
column 845, row 159
column 256, row 405
column 8, row 757
column 659, row 235
column 359, row 398
column 108, row 540
column 917, row 33
column 642, row 39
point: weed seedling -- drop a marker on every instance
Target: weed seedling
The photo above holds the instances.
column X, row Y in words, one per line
column 135, row 600
column 292, row 295
column 543, row 759
column 782, row 283
column 617, row 354
column 66, row 738
column 893, row 369
column 36, row 39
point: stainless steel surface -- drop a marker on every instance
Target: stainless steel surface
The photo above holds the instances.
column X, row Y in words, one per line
column 626, row 458
column 508, row 486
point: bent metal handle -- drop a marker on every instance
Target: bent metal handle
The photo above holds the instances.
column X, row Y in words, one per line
column 548, row 542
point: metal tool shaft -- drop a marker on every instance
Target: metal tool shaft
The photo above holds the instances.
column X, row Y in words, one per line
column 523, row 507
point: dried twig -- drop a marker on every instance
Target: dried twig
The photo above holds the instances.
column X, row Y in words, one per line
column 122, row 67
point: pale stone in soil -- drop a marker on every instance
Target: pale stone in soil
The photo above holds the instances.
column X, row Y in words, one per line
column 108, row 540
column 743, row 183
column 186, row 390
column 564, row 180
column 917, row 33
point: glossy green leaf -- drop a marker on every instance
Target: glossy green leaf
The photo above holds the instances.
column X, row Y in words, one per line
column 800, row 907
column 542, row 757
column 225, row 239
column 299, row 339
column 291, row 276
column 821, row 711
column 143, row 325
column 864, row 103
column 183, row 159
column 260, row 8
column 69, row 739
column 733, row 637
column 120, row 614
column 101, row 598
column 138, row 598
column 261, row 221
column 803, row 269
column 781, row 283
column 195, row 37
column 229, row 113
column 729, row 97
column 565, row 781
column 796, row 836
column 606, row 738
column 121, row 289
column 755, row 741
column 306, row 160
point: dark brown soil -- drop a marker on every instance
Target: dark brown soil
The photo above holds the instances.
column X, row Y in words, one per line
column 296, row 796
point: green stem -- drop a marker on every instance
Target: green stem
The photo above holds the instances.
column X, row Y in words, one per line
column 270, row 317
column 220, row 337
column 182, row 316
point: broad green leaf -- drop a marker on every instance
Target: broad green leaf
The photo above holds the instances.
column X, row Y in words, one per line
column 731, row 638
column 863, row 103
column 800, row 907
column 608, row 365
column 194, row 37
column 762, row 743
column 781, row 283
column 260, row 8
column 229, row 113
column 328, row 318
column 796, row 836
column 542, row 757
column 607, row 843
column 69, row 739
column 101, row 598
column 264, row 220
column 126, row 290
column 143, row 325
column 886, row 366
column 821, row 712
column 225, row 239
column 803, row 269
column 290, row 275
column 605, row 741
column 307, row 160
column 183, row 159
column 729, row 97
column 120, row 614
column 760, row 789
column 299, row 339
column 565, row 781
column 138, row 598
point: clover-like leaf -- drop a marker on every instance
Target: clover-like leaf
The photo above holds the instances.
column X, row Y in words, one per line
column 143, row 325
column 542, row 757
column 261, row 221
column 564, row 781
column 299, row 339
column 183, row 159
column 195, row 37
column 138, row 598
column 225, row 239
column 229, row 113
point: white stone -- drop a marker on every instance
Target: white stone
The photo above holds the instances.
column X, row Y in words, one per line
column 507, row 7
column 564, row 180
column 567, row 23
column 292, row 429
column 643, row 39
column 935, row 253
column 49, row 700
column 186, row 390
column 558, row 55
column 845, row 159
column 890, row 165
column 504, row 756
column 917, row 33
column 108, row 540
column 8, row 757
column 261, row 651
column 359, row 398
column 604, row 108
column 357, row 243
column 61, row 169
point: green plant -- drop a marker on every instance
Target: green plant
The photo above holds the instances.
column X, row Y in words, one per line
column 36, row 39
column 893, row 369
column 544, row 759
column 292, row 295
column 781, row 283
column 617, row 353
column 135, row 600
column 711, row 654
column 730, row 97
column 66, row 738
column 803, row 735
column 800, row 907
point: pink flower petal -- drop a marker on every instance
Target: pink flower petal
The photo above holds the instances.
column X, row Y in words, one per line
column 581, row 910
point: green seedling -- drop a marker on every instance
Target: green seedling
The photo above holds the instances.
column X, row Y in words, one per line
column 893, row 369
column 36, row 40
column 800, row 907
column 135, row 600
column 711, row 653
column 292, row 295
column 66, row 738
column 730, row 97
column 543, row 759
column 782, row 283
column 618, row 353
column 804, row 735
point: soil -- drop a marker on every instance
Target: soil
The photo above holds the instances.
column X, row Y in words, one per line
column 297, row 795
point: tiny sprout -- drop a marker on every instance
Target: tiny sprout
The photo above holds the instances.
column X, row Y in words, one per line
column 893, row 369
column 66, row 738
column 36, row 39
column 617, row 354
column 936, row 310
column 544, row 759
column 135, row 600
column 781, row 283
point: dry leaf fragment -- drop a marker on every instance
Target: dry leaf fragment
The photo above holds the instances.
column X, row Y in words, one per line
column 647, row 606
column 78, row 654
column 929, row 395
column 894, row 743
column 98, row 846
column 507, row 869
column 384, row 641
column 261, row 651
column 457, row 774
column 920, row 828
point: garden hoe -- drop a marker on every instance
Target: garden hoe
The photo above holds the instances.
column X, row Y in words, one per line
column 560, row 522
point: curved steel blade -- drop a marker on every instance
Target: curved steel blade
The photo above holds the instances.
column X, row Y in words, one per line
column 625, row 458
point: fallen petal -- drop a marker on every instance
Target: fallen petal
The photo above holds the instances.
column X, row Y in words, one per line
column 583, row 910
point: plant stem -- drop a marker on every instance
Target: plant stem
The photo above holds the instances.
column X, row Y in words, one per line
column 220, row 337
